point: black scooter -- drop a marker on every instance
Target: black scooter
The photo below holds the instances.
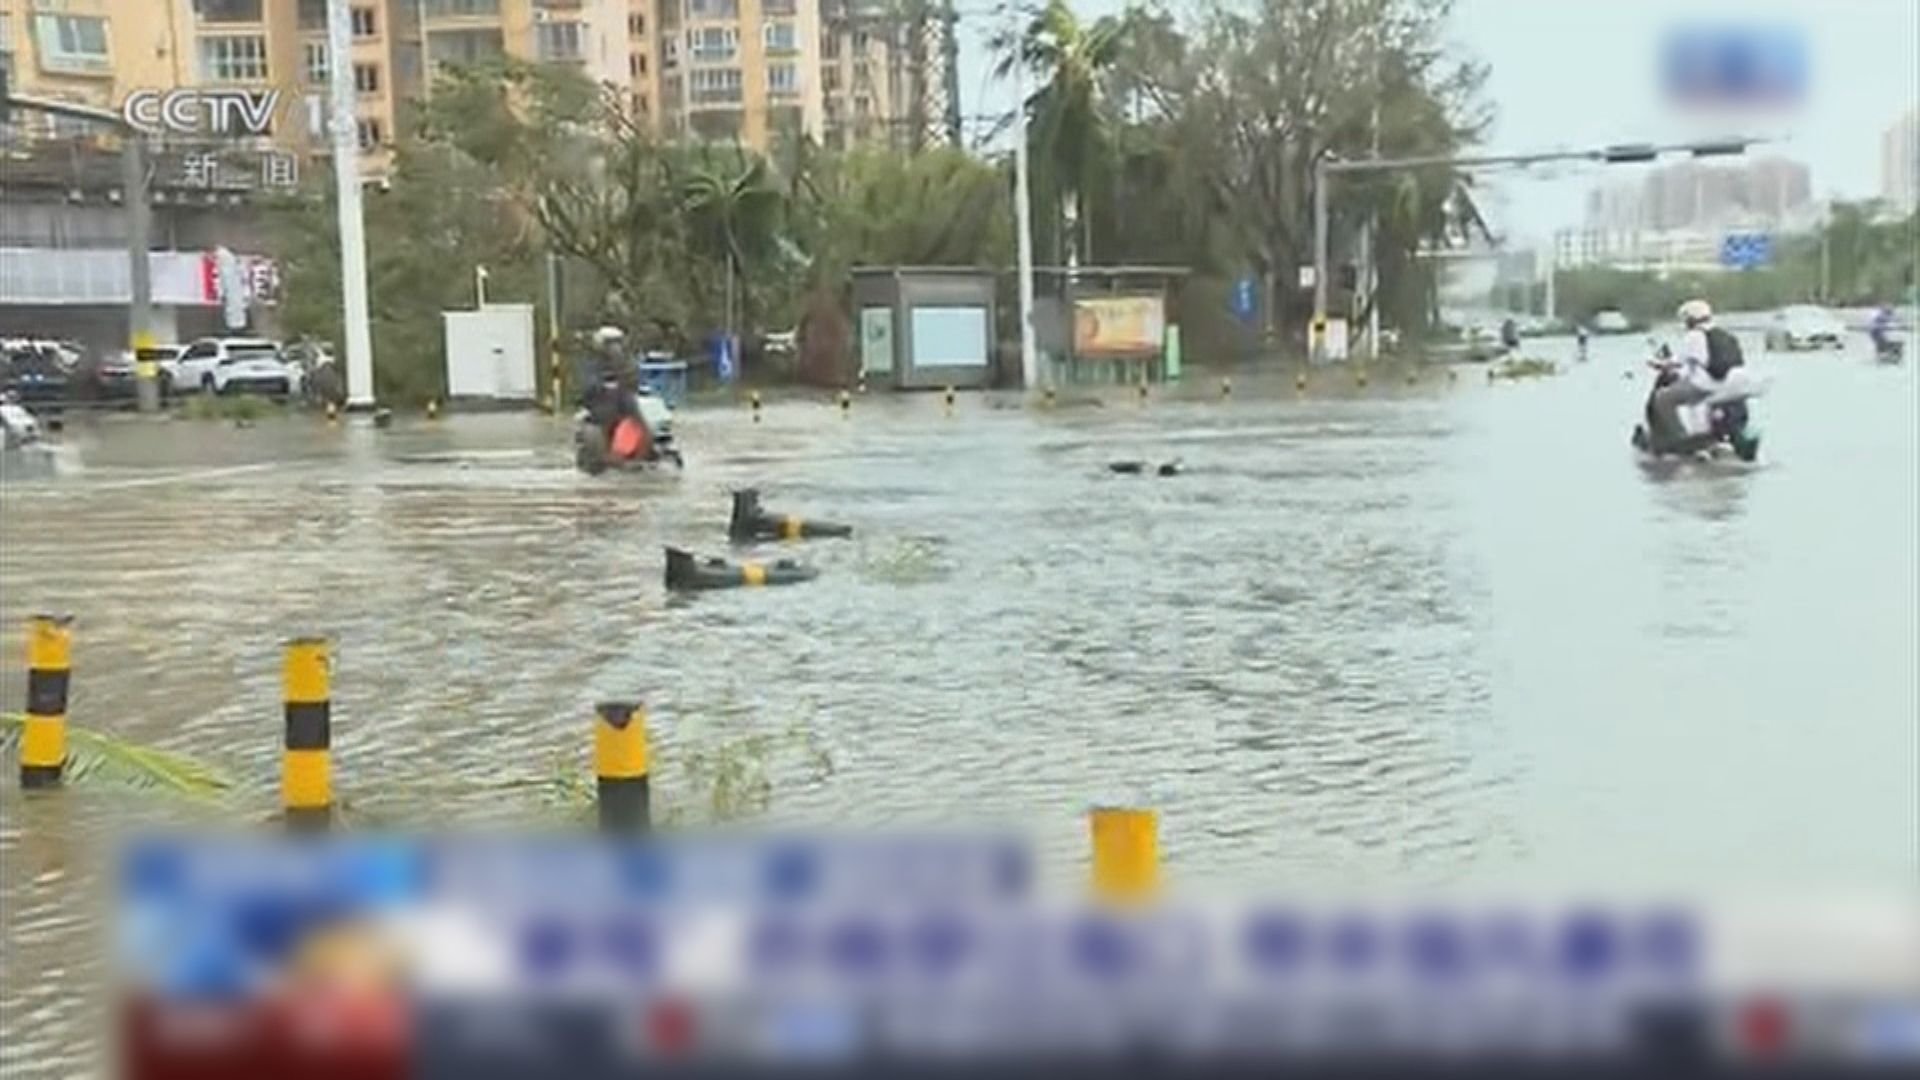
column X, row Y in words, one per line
column 1729, row 422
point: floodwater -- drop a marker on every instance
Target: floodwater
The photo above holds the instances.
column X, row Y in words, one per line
column 1446, row 633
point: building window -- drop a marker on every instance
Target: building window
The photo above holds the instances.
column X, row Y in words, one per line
column 372, row 135
column 72, row 43
column 364, row 24
column 557, row 41
column 366, row 78
column 313, row 14
column 713, row 9
column 669, row 51
column 860, row 41
column 234, row 58
column 227, row 11
column 862, row 106
column 777, row 7
column 829, row 45
column 463, row 7
column 636, row 25
column 640, row 106
column 713, row 43
column 783, row 79
column 319, row 71
column 636, row 64
column 829, row 78
column 711, row 85
column 862, row 73
column 780, row 38
column 464, row 46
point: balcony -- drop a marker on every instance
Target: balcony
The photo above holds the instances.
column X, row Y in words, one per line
column 229, row 12
column 469, row 10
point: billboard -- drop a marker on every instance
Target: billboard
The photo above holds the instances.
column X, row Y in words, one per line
column 1119, row 327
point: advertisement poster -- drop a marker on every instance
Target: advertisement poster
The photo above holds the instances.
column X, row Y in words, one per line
column 1118, row 326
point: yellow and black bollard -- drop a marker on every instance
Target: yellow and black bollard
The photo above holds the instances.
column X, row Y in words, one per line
column 43, row 741
column 1126, row 853
column 620, row 768
column 753, row 401
column 1300, row 382
column 1360, row 376
column 846, row 404
column 306, row 765
column 1046, row 395
column 949, row 400
column 556, row 398
column 333, row 413
column 1226, row 387
column 1143, row 392
column 433, row 409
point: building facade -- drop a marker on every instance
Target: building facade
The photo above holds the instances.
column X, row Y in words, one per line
column 840, row 71
column 1900, row 163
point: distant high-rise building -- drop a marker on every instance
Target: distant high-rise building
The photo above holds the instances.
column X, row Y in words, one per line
column 1900, row 162
column 1691, row 195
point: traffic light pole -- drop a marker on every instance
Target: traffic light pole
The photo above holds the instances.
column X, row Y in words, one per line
column 1325, row 168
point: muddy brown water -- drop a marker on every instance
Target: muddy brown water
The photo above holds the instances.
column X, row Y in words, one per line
column 1447, row 633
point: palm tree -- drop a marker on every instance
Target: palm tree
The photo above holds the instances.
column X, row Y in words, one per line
column 734, row 207
column 1069, row 131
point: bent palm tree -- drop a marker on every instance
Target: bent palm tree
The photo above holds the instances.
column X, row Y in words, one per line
column 1070, row 134
column 733, row 207
column 94, row 757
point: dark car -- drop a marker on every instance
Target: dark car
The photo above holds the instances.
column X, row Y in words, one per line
column 36, row 375
column 114, row 378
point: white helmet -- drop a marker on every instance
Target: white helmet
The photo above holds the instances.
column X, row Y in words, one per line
column 609, row 335
column 1695, row 311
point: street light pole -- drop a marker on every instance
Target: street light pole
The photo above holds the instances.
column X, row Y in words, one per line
column 346, row 179
column 1023, row 224
column 133, row 199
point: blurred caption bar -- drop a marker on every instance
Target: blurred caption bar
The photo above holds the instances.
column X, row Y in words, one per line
column 543, row 956
column 1734, row 66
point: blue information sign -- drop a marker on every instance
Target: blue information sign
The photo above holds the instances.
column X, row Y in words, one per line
column 1245, row 301
column 1744, row 251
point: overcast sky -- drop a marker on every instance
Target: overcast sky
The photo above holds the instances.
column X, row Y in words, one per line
column 1581, row 73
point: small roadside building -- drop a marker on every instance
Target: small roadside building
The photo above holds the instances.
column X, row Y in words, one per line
column 925, row 328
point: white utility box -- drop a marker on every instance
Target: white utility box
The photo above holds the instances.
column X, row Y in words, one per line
column 490, row 354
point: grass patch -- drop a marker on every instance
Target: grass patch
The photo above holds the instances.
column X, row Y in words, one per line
column 237, row 407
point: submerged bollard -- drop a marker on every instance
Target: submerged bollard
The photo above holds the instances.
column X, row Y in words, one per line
column 1360, row 377
column 433, row 409
column 753, row 400
column 43, row 741
column 1300, row 382
column 556, row 398
column 1126, row 853
column 306, row 764
column 333, row 413
column 620, row 767
column 1046, row 395
column 1143, row 391
column 949, row 401
column 1226, row 387
column 846, row 404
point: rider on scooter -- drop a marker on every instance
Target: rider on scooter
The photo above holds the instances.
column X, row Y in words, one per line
column 1707, row 355
column 1881, row 329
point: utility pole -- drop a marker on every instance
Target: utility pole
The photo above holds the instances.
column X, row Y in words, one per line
column 1023, row 222
column 1373, row 220
column 346, row 181
column 133, row 199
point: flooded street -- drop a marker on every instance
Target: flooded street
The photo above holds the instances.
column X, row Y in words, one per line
column 1444, row 633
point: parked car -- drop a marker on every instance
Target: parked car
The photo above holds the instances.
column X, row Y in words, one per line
column 1804, row 326
column 235, row 365
column 115, row 377
column 37, row 374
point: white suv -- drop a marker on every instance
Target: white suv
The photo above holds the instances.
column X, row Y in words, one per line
column 229, row 365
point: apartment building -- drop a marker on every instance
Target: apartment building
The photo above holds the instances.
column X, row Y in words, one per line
column 1900, row 163
column 838, row 70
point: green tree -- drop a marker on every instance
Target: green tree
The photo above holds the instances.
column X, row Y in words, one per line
column 1070, row 130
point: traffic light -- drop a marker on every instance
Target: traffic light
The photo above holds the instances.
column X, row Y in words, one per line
column 1629, row 152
